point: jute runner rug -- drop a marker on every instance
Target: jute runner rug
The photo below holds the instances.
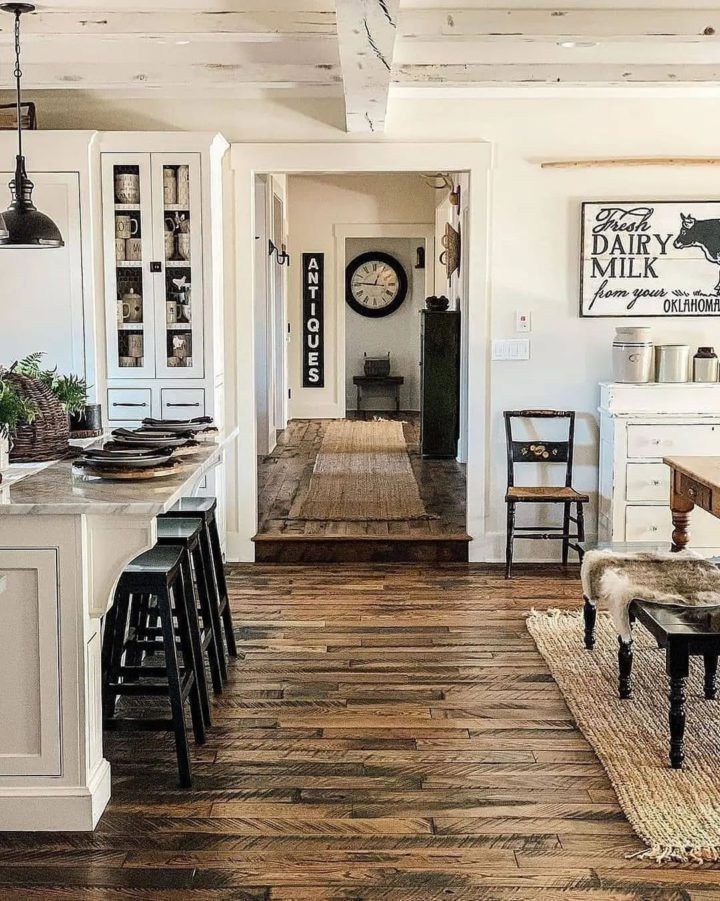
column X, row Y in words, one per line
column 362, row 472
column 675, row 812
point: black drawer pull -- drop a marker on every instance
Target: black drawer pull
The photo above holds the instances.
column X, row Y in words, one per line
column 196, row 404
column 129, row 404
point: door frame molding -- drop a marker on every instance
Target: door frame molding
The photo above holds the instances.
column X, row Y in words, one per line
column 248, row 160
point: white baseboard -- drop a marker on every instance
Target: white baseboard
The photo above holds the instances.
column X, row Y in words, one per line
column 238, row 549
column 47, row 808
column 492, row 549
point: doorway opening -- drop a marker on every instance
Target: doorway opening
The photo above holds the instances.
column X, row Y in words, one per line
column 361, row 388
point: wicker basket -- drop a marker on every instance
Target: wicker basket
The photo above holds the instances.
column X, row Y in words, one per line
column 47, row 437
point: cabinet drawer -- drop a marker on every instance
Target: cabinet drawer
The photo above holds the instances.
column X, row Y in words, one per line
column 661, row 440
column 182, row 403
column 648, row 482
column 655, row 524
column 129, row 403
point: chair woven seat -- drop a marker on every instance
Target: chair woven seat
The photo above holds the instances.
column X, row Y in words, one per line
column 539, row 495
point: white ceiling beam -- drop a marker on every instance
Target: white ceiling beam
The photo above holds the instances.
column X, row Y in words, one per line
column 39, row 76
column 257, row 25
column 366, row 35
column 477, row 74
column 597, row 25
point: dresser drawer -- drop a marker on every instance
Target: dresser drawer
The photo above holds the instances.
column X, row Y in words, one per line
column 655, row 524
column 647, row 482
column 129, row 403
column 677, row 439
column 182, row 403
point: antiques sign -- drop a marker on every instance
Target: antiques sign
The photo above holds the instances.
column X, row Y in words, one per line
column 313, row 282
column 650, row 259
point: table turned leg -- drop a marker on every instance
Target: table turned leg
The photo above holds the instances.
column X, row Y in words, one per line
column 711, row 665
column 681, row 508
column 625, row 662
column 590, row 618
column 677, row 664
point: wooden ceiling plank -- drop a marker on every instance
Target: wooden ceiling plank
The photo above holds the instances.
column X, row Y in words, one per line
column 593, row 25
column 89, row 76
column 366, row 35
column 111, row 23
column 478, row 74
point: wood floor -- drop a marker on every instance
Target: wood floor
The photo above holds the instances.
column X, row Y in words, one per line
column 390, row 733
column 283, row 480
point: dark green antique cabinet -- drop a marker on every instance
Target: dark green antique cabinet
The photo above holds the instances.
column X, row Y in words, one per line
column 439, row 383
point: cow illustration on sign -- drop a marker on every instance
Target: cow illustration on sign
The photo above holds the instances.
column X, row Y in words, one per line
column 702, row 233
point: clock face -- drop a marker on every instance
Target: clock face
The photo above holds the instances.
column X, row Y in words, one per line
column 375, row 284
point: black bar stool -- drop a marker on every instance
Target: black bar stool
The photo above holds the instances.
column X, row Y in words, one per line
column 157, row 574
column 187, row 532
column 204, row 508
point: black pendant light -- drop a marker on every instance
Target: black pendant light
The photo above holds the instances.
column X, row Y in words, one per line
column 24, row 226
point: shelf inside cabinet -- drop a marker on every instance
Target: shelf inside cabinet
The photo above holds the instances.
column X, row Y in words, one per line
column 179, row 326
column 178, row 264
column 177, row 208
column 128, row 264
column 130, row 326
column 127, row 207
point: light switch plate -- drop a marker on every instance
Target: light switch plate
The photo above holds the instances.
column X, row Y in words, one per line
column 522, row 321
column 511, row 349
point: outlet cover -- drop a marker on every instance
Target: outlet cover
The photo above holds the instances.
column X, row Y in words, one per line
column 511, row 349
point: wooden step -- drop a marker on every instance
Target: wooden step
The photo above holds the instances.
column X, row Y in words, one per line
column 279, row 548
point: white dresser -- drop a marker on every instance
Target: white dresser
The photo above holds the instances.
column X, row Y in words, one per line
column 639, row 425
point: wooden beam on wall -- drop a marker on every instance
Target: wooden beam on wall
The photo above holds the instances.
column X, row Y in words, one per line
column 366, row 34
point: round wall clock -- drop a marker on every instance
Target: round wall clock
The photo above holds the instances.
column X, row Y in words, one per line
column 375, row 284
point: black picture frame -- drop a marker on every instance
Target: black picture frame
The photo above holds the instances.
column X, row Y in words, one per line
column 582, row 313
column 381, row 257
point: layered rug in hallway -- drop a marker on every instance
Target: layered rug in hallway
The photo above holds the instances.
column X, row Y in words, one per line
column 362, row 472
column 676, row 813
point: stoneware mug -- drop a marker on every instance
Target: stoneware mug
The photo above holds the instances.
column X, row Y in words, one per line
column 126, row 226
column 127, row 187
column 120, row 250
column 133, row 249
column 183, row 246
column 171, row 312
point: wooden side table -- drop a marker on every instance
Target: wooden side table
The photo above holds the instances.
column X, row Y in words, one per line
column 390, row 383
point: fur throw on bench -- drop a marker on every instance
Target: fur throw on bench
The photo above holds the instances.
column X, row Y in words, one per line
column 613, row 581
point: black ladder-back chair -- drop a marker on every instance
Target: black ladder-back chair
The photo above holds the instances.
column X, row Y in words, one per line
column 540, row 451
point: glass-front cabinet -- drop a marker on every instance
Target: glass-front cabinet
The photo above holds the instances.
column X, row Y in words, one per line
column 153, row 265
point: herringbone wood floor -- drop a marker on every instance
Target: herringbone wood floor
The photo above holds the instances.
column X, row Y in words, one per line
column 390, row 732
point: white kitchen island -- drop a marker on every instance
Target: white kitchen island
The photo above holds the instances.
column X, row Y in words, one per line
column 64, row 542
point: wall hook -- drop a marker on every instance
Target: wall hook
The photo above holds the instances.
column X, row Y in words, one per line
column 282, row 257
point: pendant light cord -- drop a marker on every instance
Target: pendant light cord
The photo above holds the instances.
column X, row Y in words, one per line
column 18, row 76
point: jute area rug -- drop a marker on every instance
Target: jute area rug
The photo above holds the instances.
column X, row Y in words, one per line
column 676, row 813
column 362, row 472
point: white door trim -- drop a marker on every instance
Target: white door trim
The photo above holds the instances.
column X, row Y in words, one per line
column 341, row 232
column 247, row 160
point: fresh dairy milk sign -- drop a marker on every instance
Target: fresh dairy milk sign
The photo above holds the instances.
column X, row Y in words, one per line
column 650, row 259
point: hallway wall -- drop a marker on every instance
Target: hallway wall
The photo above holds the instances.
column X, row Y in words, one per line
column 398, row 333
column 316, row 206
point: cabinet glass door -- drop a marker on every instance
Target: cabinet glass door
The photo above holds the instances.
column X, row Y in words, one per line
column 178, row 289
column 127, row 223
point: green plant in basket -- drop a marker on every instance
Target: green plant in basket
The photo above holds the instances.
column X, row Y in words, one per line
column 70, row 390
column 14, row 409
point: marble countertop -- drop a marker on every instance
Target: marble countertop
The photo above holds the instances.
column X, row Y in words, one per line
column 58, row 490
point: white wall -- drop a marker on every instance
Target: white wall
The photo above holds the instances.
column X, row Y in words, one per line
column 317, row 205
column 534, row 259
column 398, row 333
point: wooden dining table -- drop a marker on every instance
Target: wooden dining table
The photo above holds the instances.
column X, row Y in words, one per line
column 694, row 482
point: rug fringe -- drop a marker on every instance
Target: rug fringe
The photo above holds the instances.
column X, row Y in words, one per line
column 662, row 854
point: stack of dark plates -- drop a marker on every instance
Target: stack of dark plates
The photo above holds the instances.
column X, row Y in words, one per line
column 148, row 452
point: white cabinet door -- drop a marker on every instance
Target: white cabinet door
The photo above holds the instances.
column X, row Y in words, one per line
column 30, row 737
column 128, row 249
column 178, row 288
